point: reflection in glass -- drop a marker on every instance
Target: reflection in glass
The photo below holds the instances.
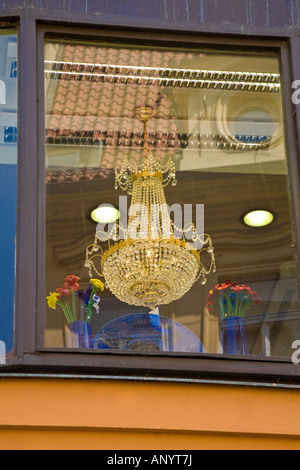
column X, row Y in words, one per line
column 219, row 115
column 8, row 186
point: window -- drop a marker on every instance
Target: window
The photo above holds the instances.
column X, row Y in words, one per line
column 218, row 115
column 8, row 186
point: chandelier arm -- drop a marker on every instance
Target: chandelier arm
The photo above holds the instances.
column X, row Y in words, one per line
column 95, row 269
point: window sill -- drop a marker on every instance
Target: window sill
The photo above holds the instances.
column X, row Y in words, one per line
column 120, row 365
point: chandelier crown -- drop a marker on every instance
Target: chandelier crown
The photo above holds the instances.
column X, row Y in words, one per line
column 129, row 171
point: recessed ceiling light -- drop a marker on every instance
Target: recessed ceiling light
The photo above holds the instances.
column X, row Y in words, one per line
column 105, row 213
column 258, row 218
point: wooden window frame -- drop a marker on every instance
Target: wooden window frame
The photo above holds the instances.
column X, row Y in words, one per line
column 29, row 354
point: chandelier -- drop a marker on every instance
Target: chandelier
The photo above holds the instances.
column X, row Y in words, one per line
column 150, row 262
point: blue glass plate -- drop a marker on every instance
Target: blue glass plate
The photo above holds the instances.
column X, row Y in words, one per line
column 147, row 332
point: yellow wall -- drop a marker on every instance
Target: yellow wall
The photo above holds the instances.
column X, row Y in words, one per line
column 94, row 414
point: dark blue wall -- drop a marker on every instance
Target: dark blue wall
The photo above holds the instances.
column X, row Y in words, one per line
column 8, row 207
column 270, row 17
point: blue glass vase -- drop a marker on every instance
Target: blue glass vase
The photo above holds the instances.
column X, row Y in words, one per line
column 233, row 336
column 79, row 335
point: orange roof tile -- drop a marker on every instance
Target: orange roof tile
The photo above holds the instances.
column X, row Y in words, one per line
column 104, row 111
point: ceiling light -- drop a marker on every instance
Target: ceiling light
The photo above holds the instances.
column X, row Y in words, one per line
column 258, row 218
column 105, row 213
column 166, row 76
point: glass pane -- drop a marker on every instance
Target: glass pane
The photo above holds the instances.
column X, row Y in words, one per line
column 8, row 187
column 210, row 148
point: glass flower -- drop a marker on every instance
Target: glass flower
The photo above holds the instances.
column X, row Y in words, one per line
column 85, row 295
column 63, row 291
column 52, row 299
column 72, row 282
column 97, row 283
column 65, row 297
column 232, row 299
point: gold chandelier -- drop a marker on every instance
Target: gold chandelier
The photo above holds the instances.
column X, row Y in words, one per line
column 148, row 265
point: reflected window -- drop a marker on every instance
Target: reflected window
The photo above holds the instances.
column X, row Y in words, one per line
column 217, row 117
column 8, row 186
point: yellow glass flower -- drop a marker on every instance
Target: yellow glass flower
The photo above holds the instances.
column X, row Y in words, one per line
column 52, row 299
column 97, row 283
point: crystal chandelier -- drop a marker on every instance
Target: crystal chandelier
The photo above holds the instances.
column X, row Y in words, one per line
column 149, row 264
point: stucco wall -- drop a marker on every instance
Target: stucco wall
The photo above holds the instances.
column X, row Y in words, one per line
column 117, row 415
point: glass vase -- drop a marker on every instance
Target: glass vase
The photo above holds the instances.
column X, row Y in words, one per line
column 79, row 335
column 233, row 336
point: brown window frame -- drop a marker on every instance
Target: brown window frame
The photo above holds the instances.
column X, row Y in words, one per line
column 30, row 356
